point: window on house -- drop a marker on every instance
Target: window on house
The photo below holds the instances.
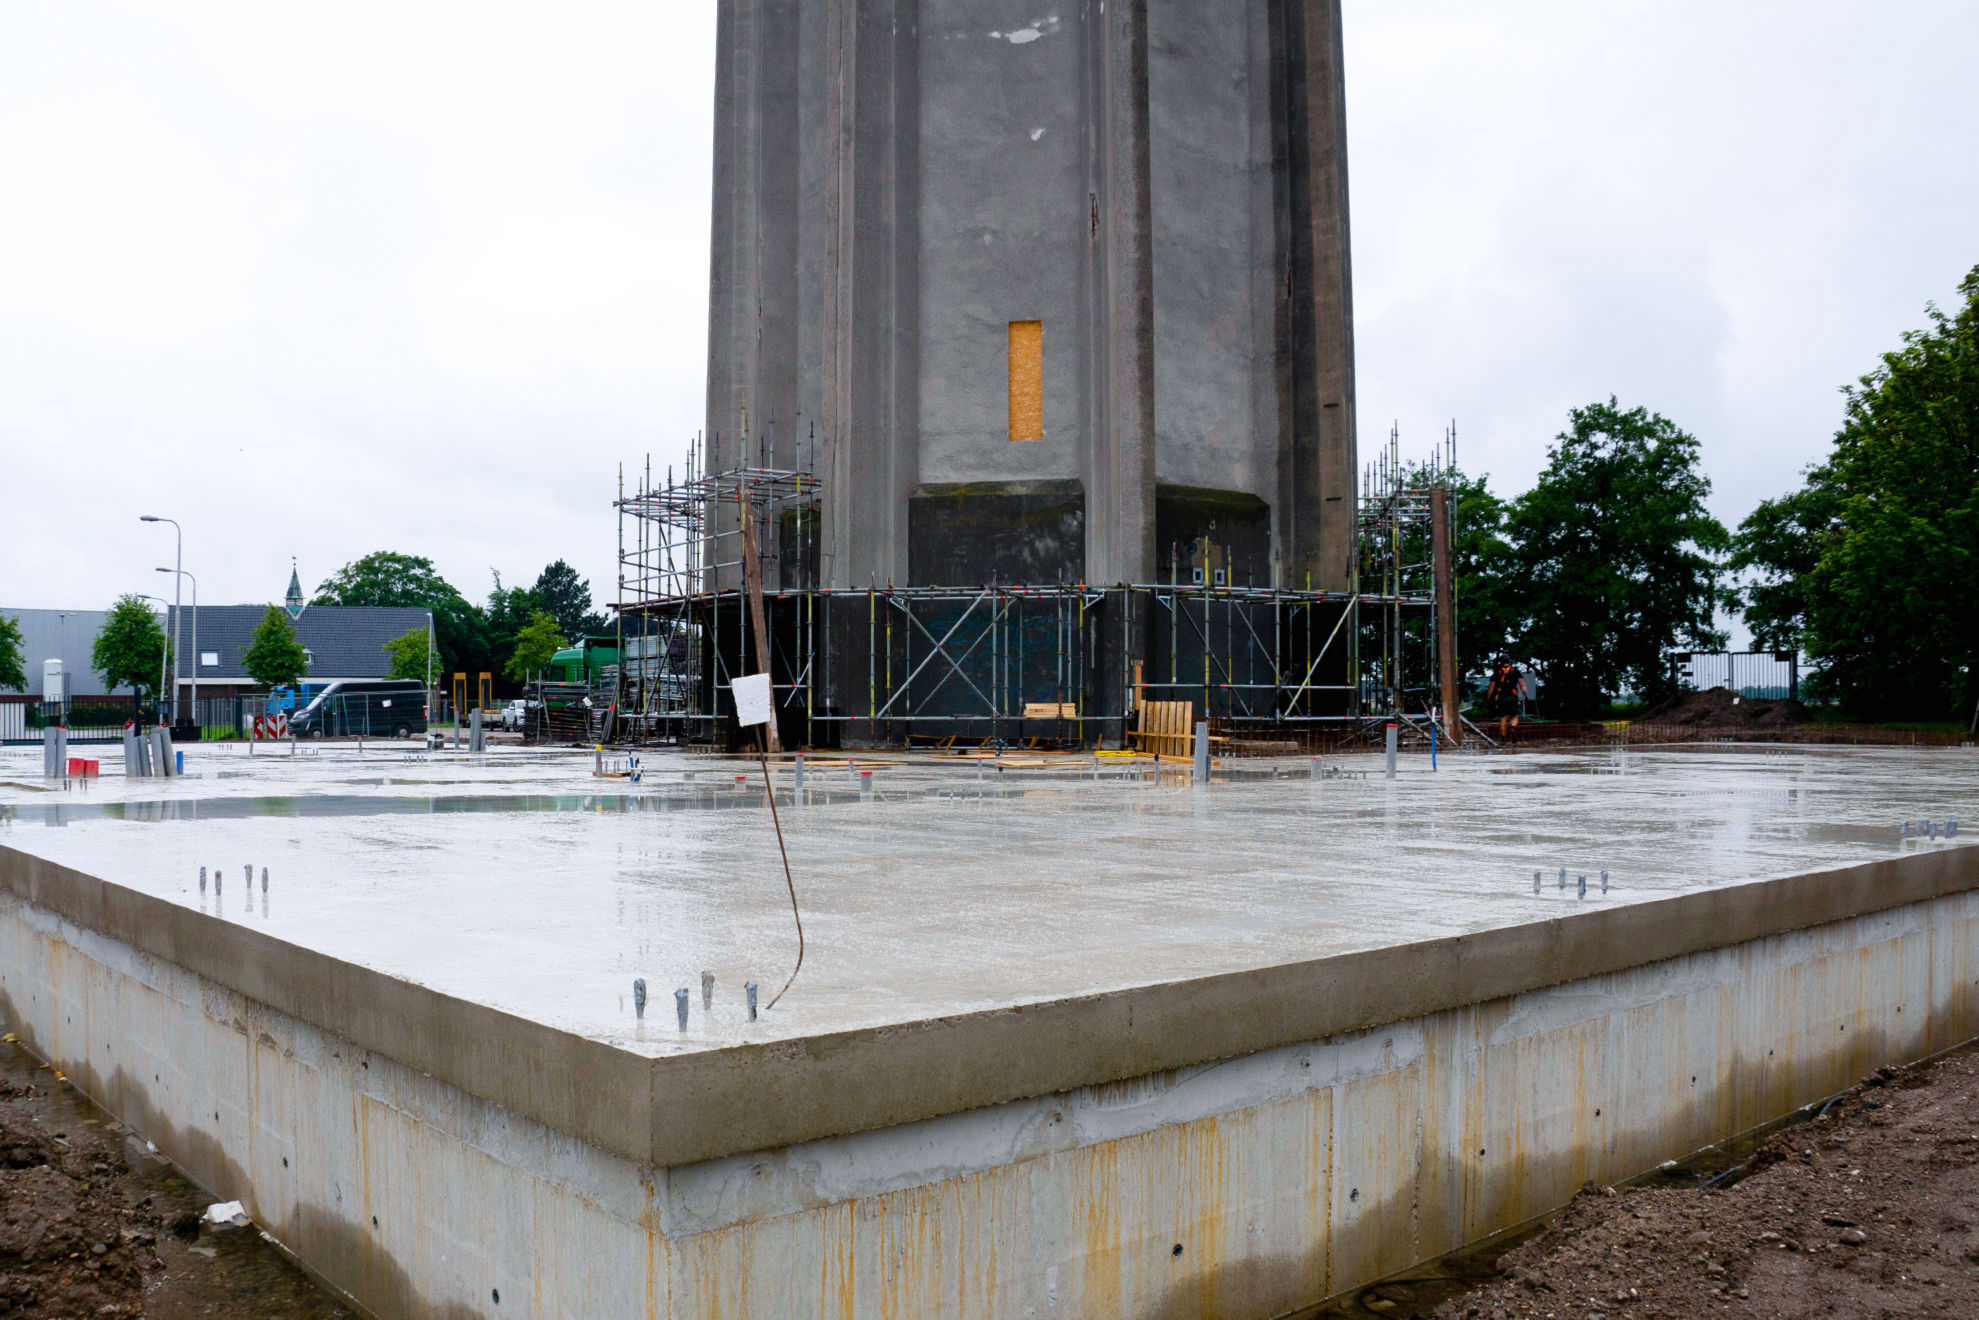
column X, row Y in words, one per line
column 1027, row 380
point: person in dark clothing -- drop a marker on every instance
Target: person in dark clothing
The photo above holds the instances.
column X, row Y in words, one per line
column 1501, row 698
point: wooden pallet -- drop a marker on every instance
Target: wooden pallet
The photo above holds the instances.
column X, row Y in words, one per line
column 1167, row 728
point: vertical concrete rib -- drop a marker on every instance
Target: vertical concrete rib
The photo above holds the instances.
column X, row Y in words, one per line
column 834, row 151
column 880, row 284
column 813, row 307
column 1120, row 466
column 754, row 306
column 773, row 392
column 730, row 249
column 1318, row 461
column 1332, row 294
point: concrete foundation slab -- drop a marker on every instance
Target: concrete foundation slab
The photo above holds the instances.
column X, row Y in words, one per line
column 1049, row 1028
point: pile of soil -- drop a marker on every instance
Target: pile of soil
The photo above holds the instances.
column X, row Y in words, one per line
column 1722, row 708
column 93, row 1222
column 1872, row 1209
column 70, row 1245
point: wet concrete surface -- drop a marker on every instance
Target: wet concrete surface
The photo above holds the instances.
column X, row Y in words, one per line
column 936, row 885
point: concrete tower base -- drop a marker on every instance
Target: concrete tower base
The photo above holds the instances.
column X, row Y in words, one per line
column 1046, row 298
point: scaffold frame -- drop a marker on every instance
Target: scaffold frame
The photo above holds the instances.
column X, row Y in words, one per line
column 1001, row 663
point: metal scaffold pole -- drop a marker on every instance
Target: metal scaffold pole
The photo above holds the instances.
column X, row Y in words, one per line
column 720, row 575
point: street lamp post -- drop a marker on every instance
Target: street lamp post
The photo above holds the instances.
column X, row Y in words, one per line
column 161, row 654
column 195, row 645
column 179, row 563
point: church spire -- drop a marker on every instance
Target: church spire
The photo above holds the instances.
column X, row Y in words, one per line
column 294, row 599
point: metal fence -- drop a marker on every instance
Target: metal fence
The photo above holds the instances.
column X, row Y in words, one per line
column 22, row 722
column 217, row 715
column 1758, row 674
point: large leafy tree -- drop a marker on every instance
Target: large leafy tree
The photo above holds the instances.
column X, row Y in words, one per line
column 566, row 597
column 509, row 610
column 1869, row 565
column 1617, row 559
column 274, row 656
column 1481, row 563
column 460, row 631
column 13, row 669
column 410, row 655
column 535, row 646
column 1776, row 550
column 130, row 648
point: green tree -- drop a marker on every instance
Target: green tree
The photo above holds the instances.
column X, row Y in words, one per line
column 1481, row 563
column 274, row 657
column 130, row 648
column 13, row 669
column 1617, row 559
column 535, row 646
column 509, row 610
column 1776, row 550
column 410, row 655
column 566, row 597
column 460, row 630
column 1870, row 564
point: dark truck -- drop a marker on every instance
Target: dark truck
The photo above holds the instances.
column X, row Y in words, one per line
column 364, row 708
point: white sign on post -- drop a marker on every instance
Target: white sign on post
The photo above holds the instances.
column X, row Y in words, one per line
column 752, row 699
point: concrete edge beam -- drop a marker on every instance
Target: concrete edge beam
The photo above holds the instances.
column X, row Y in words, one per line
column 688, row 1108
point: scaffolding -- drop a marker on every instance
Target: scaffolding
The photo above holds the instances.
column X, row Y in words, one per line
column 1396, row 658
column 692, row 540
column 1001, row 664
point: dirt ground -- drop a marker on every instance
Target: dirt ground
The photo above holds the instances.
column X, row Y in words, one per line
column 1722, row 708
column 1871, row 1210
column 95, row 1223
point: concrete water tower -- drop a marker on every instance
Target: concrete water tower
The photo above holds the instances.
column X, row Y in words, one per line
column 1043, row 290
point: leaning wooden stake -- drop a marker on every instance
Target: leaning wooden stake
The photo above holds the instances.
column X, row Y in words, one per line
column 752, row 578
column 1446, row 610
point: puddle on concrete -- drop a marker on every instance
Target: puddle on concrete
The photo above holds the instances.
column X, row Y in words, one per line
column 1822, row 832
column 718, row 794
column 350, row 805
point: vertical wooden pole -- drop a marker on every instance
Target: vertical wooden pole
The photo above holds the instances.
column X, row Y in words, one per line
column 1446, row 610
column 752, row 575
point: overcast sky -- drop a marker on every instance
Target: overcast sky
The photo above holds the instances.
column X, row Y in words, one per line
column 419, row 276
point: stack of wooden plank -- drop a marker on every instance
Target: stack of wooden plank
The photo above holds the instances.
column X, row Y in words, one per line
column 1166, row 728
